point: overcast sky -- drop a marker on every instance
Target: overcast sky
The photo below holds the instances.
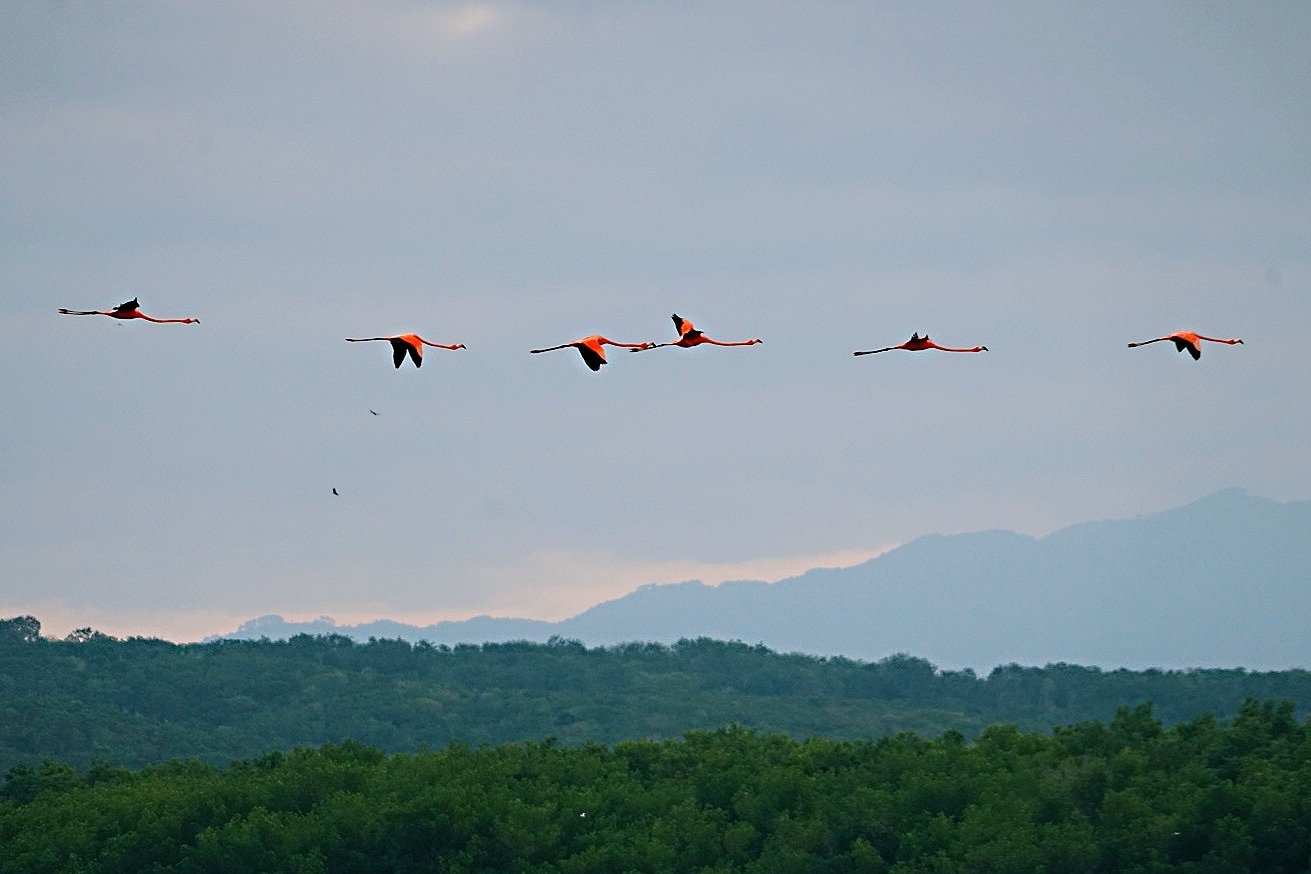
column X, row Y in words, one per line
column 1050, row 180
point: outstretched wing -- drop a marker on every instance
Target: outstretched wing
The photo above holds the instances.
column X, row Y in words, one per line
column 593, row 358
column 683, row 326
column 416, row 354
column 129, row 307
column 1180, row 344
column 398, row 353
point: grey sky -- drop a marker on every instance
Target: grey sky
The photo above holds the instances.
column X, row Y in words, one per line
column 1052, row 181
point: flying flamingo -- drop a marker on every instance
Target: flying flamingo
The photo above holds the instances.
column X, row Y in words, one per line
column 689, row 336
column 1186, row 340
column 405, row 343
column 916, row 343
column 129, row 310
column 593, row 349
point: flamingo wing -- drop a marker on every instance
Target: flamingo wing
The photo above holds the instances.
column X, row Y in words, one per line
column 128, row 307
column 1193, row 349
column 398, row 353
column 594, row 358
column 416, row 354
column 683, row 326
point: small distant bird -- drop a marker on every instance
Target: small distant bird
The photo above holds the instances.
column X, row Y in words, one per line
column 402, row 344
column 129, row 310
column 1187, row 340
column 689, row 336
column 592, row 349
column 375, row 412
column 334, row 491
column 916, row 343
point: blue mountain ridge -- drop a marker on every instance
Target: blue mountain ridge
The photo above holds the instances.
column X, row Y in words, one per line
column 1223, row 581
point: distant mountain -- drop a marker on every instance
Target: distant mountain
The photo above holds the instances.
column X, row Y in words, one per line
column 1224, row 581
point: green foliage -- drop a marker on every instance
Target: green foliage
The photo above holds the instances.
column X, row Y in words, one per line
column 1131, row 795
column 133, row 702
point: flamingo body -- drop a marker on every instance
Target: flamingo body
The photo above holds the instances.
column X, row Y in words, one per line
column 406, row 344
column 129, row 310
column 592, row 349
column 1187, row 341
column 916, row 343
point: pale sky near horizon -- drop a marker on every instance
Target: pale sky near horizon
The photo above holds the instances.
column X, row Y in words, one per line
column 1050, row 180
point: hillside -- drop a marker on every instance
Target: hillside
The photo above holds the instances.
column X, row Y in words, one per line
column 138, row 701
column 1220, row 582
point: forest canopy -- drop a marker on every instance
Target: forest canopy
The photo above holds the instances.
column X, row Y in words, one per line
column 135, row 702
column 1131, row 795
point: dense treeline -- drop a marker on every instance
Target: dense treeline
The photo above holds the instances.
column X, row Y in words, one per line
column 134, row 702
column 1128, row 796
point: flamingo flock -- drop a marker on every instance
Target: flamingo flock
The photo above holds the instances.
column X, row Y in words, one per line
column 592, row 347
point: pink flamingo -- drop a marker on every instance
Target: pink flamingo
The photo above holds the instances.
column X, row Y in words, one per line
column 916, row 343
column 402, row 344
column 1187, row 340
column 592, row 349
column 129, row 310
column 689, row 336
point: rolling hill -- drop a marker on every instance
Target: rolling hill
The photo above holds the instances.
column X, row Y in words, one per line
column 1223, row 581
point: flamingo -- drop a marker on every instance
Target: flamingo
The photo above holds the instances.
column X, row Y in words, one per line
column 593, row 349
column 689, row 336
column 129, row 310
column 916, row 343
column 405, row 343
column 1187, row 340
